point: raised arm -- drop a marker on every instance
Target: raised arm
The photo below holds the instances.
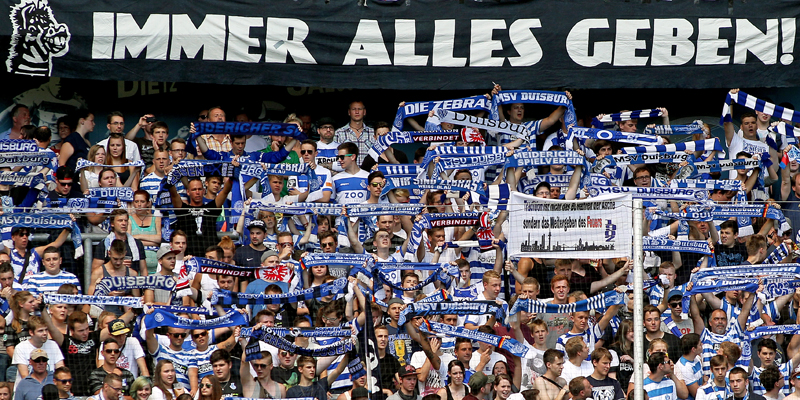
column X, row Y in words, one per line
column 694, row 312
column 728, row 125
column 747, row 306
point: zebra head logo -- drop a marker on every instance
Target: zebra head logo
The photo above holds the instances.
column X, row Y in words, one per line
column 36, row 39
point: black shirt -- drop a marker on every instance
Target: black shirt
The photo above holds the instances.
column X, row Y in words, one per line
column 673, row 345
column 232, row 387
column 318, row 390
column 200, row 225
column 729, row 256
column 247, row 256
column 81, row 359
column 101, row 253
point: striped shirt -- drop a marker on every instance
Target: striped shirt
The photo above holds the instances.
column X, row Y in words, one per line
column 45, row 283
column 710, row 391
column 711, row 342
column 758, row 388
column 18, row 261
column 325, row 183
column 326, row 154
column 202, row 360
column 182, row 360
column 590, row 337
column 661, row 390
column 364, row 142
column 657, row 293
column 690, row 372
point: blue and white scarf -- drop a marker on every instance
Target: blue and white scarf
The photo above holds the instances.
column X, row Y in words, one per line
column 84, row 163
column 443, row 330
column 164, row 318
column 516, row 130
column 561, row 180
column 32, row 180
column 601, row 301
column 778, row 254
column 626, row 116
column 228, row 298
column 262, row 171
column 438, row 296
column 248, row 128
column 310, row 332
column 13, row 159
column 192, row 168
column 722, row 212
column 457, row 152
column 81, row 205
column 747, row 271
column 254, row 352
column 297, row 208
column 399, row 170
column 134, row 302
column 48, row 221
column 765, row 330
column 414, row 310
column 534, row 97
column 468, row 162
column 790, row 132
column 114, row 283
column 699, row 145
column 367, row 261
column 522, row 158
column 437, row 272
column 370, row 210
column 652, row 193
column 684, row 246
column 18, row 145
column 429, row 221
column 613, row 136
column 423, row 107
column 708, row 184
column 208, row 266
column 404, row 137
column 121, row 193
column 754, row 103
column 644, row 158
column 699, row 168
column 433, row 184
column 691, row 129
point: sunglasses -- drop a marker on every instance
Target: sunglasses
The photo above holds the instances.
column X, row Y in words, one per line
column 40, row 360
column 258, row 365
column 284, row 354
column 178, row 335
column 64, row 381
column 199, row 335
column 62, row 183
column 202, row 116
column 304, row 152
column 206, row 385
column 378, row 184
column 111, row 351
column 328, row 244
column 341, row 157
column 673, row 305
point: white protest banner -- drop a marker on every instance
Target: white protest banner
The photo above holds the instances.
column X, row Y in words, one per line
column 545, row 228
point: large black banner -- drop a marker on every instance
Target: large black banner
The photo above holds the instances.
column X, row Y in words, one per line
column 420, row 44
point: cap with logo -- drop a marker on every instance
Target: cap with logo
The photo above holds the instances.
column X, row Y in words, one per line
column 118, row 327
column 39, row 353
column 257, row 223
column 408, row 370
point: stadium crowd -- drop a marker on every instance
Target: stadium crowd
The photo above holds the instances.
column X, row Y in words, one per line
column 173, row 311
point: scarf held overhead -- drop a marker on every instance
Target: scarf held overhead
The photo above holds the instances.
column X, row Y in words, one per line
column 414, row 310
column 534, row 97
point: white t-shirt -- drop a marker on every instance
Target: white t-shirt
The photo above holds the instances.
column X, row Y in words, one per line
column 487, row 369
column 22, row 355
column 127, row 359
column 434, row 381
column 571, row 371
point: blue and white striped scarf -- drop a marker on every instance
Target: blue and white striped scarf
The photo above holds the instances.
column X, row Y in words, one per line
column 433, row 184
column 684, row 246
column 516, row 130
column 708, row 184
column 699, row 145
column 366, row 261
column 18, row 145
column 626, row 116
column 84, row 163
column 754, row 103
column 468, row 162
column 722, row 212
column 429, row 221
column 114, row 283
column 773, row 286
column 121, row 193
column 13, row 159
column 652, row 193
column 603, row 300
column 228, row 298
column 438, row 271
column 778, row 254
column 443, row 330
column 310, row 332
column 81, row 205
column 423, row 107
column 164, row 318
column 51, row 298
column 614, row 136
column 51, row 221
column 672, row 326
column 790, row 132
column 534, row 97
column 399, row 170
column 562, row 180
column 691, row 129
column 262, row 171
column 404, row 137
column 634, row 159
column 414, row 310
